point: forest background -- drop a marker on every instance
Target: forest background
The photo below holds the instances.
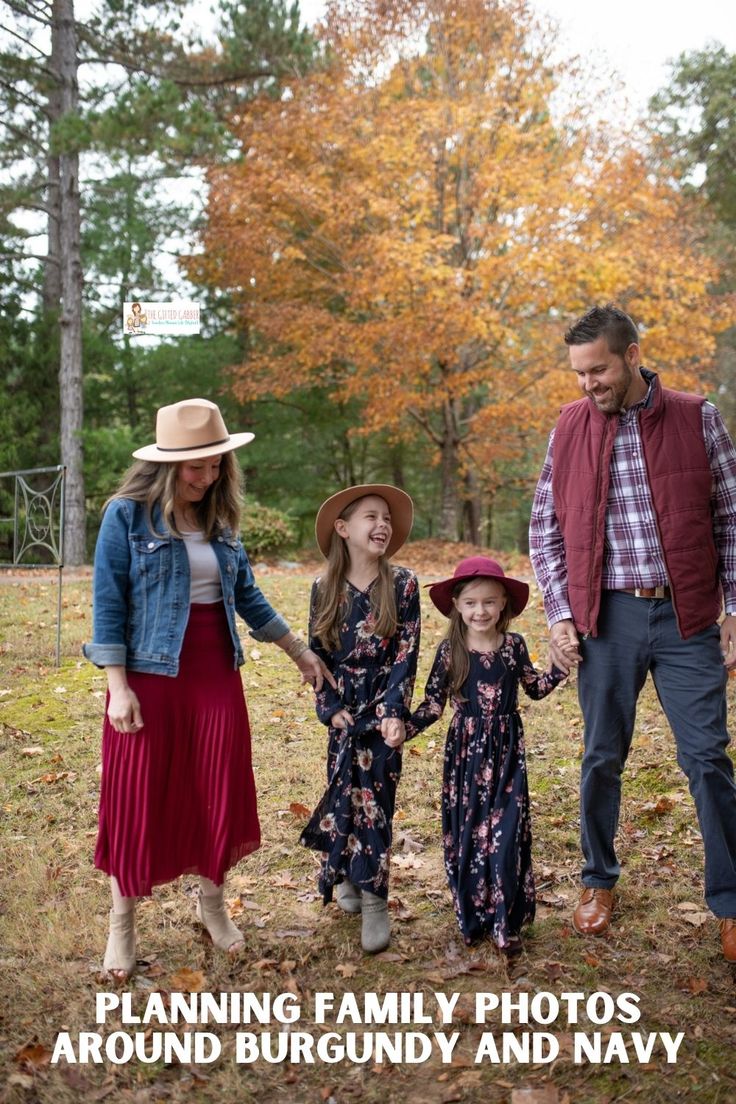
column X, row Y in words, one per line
column 388, row 220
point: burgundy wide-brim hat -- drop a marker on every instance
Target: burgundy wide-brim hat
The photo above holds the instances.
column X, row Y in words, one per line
column 479, row 567
column 190, row 430
column 399, row 503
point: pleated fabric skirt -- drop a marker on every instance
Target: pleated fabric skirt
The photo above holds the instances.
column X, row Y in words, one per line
column 178, row 797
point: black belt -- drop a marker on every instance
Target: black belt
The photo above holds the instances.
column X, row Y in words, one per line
column 647, row 592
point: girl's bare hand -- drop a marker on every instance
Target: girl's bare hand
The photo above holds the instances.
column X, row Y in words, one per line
column 341, row 719
column 393, row 731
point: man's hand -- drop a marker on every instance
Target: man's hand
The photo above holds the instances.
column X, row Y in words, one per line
column 564, row 646
column 728, row 640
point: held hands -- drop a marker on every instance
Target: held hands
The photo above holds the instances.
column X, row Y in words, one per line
column 728, row 640
column 314, row 671
column 564, row 646
column 393, row 731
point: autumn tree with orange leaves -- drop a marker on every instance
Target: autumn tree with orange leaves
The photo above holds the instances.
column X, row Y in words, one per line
column 414, row 225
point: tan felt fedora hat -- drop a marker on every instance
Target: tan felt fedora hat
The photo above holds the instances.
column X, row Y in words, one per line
column 190, row 430
column 399, row 503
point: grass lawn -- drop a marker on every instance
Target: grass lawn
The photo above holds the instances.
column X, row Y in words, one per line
column 664, row 946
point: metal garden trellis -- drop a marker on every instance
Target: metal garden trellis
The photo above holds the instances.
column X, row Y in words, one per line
column 38, row 523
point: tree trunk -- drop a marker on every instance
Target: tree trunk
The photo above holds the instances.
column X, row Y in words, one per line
column 471, row 509
column 448, row 526
column 64, row 49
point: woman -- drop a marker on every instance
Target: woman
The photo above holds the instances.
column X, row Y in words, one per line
column 177, row 793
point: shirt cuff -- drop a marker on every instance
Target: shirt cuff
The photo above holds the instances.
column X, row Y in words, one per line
column 272, row 630
column 560, row 614
column 105, row 655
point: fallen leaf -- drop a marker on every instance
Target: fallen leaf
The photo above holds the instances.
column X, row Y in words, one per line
column 299, row 810
column 546, row 1095
column 346, row 969
column 405, row 842
column 697, row 919
column 22, row 1080
column 188, row 981
column 265, row 964
column 284, row 881
column 31, row 751
column 33, row 1056
column 294, row 933
column 696, row 985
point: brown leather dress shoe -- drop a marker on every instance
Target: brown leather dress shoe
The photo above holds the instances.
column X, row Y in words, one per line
column 728, row 938
column 593, row 914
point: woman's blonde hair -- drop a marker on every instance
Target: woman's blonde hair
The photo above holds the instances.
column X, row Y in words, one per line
column 332, row 603
column 155, row 485
column 459, row 668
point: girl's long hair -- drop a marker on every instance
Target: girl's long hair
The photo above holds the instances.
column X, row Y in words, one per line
column 155, row 485
column 332, row 601
column 459, row 668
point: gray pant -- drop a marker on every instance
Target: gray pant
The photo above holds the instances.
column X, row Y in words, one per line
column 636, row 636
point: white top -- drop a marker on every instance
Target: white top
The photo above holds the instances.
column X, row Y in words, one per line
column 205, row 586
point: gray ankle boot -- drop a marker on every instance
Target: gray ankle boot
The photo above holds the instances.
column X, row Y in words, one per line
column 375, row 931
column 348, row 896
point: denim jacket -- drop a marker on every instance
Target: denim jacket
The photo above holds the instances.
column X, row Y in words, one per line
column 141, row 593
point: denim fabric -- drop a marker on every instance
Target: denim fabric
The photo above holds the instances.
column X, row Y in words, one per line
column 141, row 593
column 638, row 636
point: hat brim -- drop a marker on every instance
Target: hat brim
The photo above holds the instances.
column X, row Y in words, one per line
column 169, row 456
column 441, row 593
column 399, row 504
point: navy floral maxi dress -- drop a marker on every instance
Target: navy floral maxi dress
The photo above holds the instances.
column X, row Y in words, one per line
column 375, row 678
column 486, row 825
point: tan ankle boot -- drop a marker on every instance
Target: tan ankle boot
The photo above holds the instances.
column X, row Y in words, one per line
column 119, row 960
column 212, row 914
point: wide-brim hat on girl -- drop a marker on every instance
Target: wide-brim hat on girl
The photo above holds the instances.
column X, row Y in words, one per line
column 479, row 567
column 190, row 430
column 399, row 503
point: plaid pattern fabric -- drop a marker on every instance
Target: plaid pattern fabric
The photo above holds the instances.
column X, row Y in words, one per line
column 632, row 554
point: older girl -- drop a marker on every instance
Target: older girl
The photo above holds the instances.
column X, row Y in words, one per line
column 364, row 624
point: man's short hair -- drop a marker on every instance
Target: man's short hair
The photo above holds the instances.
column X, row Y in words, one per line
column 609, row 322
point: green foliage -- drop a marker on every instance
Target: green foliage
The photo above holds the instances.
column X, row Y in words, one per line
column 265, row 530
column 697, row 115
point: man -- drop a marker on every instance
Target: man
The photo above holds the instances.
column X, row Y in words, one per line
column 633, row 542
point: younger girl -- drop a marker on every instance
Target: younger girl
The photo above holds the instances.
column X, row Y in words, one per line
column 486, row 825
column 364, row 625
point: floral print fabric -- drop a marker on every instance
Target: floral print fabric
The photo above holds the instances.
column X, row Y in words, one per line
column 486, row 825
column 375, row 678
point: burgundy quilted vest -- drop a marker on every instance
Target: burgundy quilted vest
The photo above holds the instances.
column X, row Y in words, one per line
column 680, row 481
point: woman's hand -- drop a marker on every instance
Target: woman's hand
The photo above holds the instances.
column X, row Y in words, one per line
column 314, row 670
column 341, row 719
column 123, row 710
column 393, row 731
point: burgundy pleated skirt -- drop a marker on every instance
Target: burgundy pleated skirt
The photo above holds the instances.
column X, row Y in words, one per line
column 178, row 797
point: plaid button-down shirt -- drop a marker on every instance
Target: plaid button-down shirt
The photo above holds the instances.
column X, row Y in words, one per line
column 632, row 554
